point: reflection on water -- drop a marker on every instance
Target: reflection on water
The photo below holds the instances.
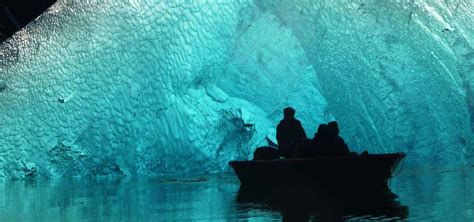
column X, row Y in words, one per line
column 303, row 203
column 441, row 195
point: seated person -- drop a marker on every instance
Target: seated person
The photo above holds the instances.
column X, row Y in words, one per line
column 320, row 142
column 289, row 133
column 339, row 147
column 327, row 142
column 266, row 153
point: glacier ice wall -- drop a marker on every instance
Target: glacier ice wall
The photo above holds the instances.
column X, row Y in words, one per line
column 179, row 87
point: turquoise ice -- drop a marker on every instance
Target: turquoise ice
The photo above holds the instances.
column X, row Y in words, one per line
column 155, row 88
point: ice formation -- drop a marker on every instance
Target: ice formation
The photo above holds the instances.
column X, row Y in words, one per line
column 176, row 87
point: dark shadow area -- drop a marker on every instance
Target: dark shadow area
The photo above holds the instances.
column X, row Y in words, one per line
column 349, row 171
column 16, row 14
column 299, row 203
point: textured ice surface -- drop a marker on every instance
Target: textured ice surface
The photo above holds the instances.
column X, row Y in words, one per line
column 142, row 88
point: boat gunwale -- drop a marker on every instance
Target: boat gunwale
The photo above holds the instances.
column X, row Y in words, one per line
column 368, row 156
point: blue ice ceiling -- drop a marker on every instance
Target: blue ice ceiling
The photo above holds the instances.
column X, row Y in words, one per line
column 179, row 87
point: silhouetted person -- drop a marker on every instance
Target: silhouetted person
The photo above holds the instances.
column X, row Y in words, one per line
column 289, row 133
column 321, row 141
column 338, row 146
column 327, row 142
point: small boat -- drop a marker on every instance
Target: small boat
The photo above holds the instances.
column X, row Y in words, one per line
column 346, row 171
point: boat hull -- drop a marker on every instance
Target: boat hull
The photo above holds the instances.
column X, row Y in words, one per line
column 351, row 171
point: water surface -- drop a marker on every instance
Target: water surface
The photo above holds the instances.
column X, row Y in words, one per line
column 431, row 195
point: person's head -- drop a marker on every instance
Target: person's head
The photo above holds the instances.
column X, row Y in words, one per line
column 323, row 129
column 333, row 128
column 322, row 133
column 289, row 112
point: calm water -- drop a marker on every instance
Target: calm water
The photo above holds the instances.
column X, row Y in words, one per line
column 430, row 195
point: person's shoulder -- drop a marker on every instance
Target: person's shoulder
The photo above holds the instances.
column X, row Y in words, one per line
column 280, row 124
column 340, row 139
column 299, row 123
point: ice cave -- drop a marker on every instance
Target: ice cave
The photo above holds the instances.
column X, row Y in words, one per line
column 144, row 88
